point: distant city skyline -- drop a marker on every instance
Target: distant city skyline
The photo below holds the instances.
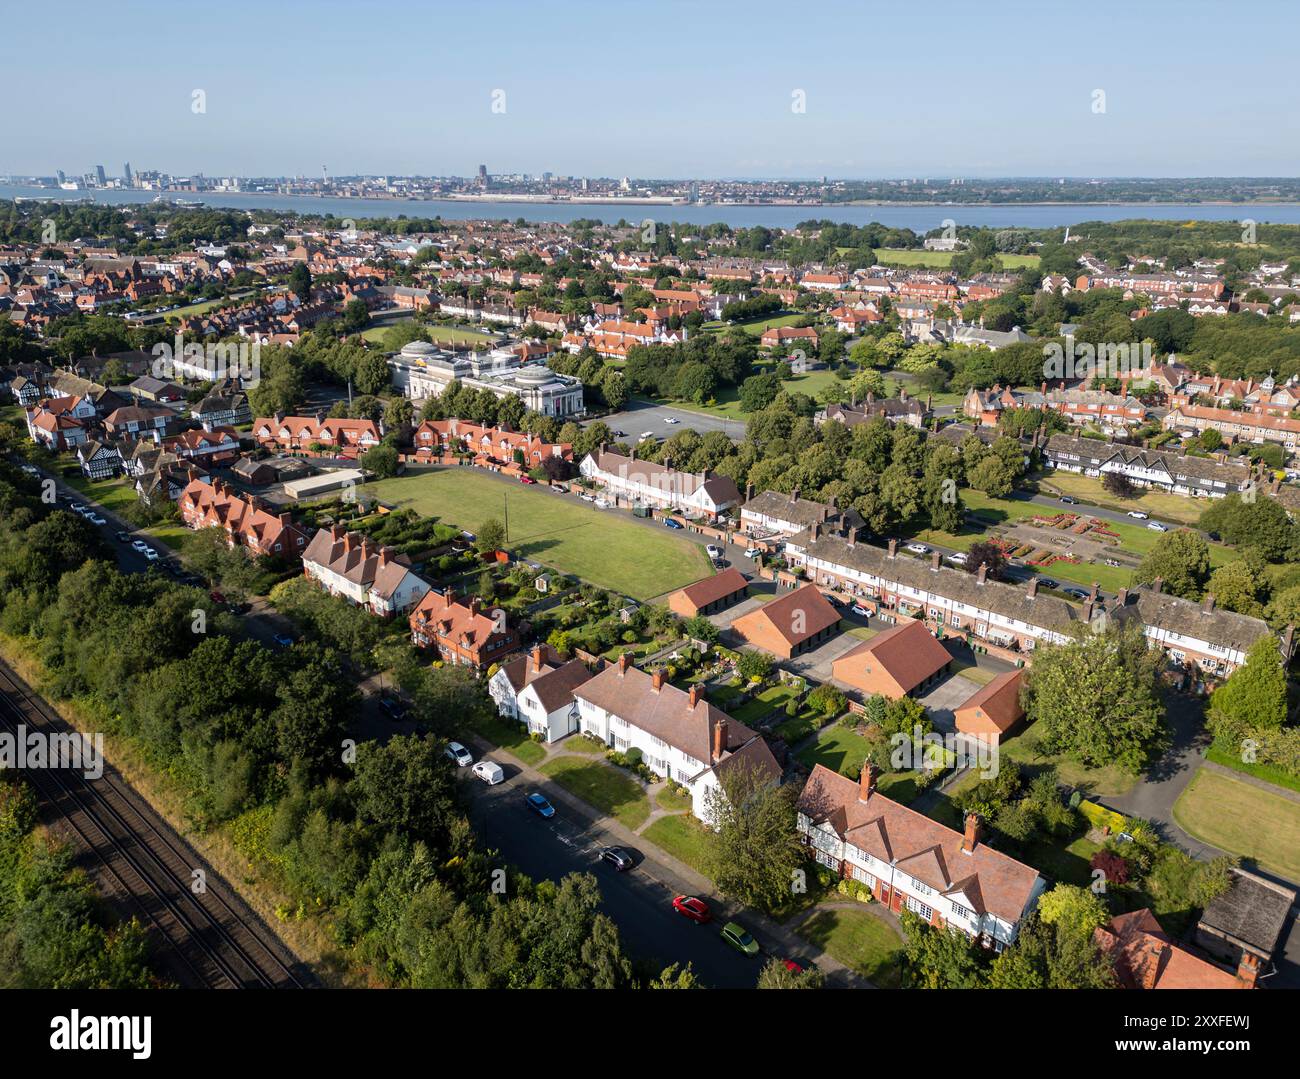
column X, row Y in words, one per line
column 686, row 91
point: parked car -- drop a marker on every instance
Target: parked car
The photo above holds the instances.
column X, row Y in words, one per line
column 959, row 558
column 670, row 523
column 692, row 907
column 527, row 479
column 617, row 857
column 96, row 519
column 458, row 755
column 540, row 806
column 490, row 772
column 1156, row 526
column 1077, row 593
column 140, row 545
column 713, row 551
column 752, row 552
column 392, row 707
column 793, row 967
column 150, row 554
column 1069, row 500
column 740, row 938
column 671, row 419
column 602, row 503
column 645, row 435
column 587, row 497
column 1047, row 582
column 123, row 537
column 216, row 596
column 860, row 611
column 1138, row 515
column 918, row 548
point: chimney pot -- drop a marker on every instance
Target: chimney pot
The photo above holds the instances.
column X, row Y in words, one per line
column 657, row 681
column 983, row 573
column 972, row 835
column 1248, row 971
column 867, row 781
column 622, row 664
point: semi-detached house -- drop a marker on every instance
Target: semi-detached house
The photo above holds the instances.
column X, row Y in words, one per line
column 1196, row 636
column 246, row 524
column 680, row 735
column 350, row 565
column 945, row 877
column 1176, row 472
column 645, row 483
column 537, row 690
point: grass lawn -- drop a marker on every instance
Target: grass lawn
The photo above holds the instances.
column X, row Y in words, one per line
column 604, row 786
column 512, row 737
column 441, row 335
column 768, row 701
column 175, row 536
column 838, row 748
column 588, row 746
column 972, row 673
column 672, row 801
column 1244, row 820
column 683, row 837
column 1025, row 749
column 941, row 259
column 727, row 402
column 115, row 494
column 604, row 547
column 858, row 939
column 756, row 326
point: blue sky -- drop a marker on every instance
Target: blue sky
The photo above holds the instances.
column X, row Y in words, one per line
column 660, row 89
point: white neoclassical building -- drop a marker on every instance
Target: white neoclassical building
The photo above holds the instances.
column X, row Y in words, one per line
column 421, row 371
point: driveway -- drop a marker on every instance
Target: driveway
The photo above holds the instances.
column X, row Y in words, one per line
column 942, row 701
column 817, row 663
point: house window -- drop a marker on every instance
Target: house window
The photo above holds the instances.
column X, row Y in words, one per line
column 962, row 912
column 827, row 860
column 920, row 888
column 917, row 907
column 860, row 874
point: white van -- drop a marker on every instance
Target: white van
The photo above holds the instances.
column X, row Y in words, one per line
column 490, row 772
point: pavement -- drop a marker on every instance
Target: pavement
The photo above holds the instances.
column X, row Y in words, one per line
column 639, row 899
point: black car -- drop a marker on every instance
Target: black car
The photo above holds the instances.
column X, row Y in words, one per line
column 1069, row 500
column 617, row 857
column 1047, row 582
column 392, row 707
column 123, row 537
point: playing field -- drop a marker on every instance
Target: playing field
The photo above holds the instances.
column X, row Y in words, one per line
column 940, row 259
column 440, row 335
column 1242, row 819
column 605, row 547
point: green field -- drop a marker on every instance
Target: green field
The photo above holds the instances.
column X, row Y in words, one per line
column 440, row 335
column 611, row 790
column 605, row 547
column 755, row 326
column 682, row 836
column 1242, row 819
column 727, row 402
column 115, row 494
column 941, row 259
column 1160, row 504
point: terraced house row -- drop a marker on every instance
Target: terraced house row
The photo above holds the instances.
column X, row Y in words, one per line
column 1197, row 637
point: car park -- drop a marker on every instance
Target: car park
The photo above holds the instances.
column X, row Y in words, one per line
column 490, row 772
column 692, row 907
column 1138, row 515
column 458, row 755
column 540, row 806
column 740, row 938
column 617, row 857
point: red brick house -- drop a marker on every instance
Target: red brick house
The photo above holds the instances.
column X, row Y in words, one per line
column 461, row 633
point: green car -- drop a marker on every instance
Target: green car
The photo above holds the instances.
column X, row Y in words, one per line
column 739, row 938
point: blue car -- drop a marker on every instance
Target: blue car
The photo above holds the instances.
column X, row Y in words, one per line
column 283, row 640
column 540, row 806
column 670, row 523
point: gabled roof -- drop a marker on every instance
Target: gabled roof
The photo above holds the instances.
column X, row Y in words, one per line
column 804, row 607
column 1145, row 957
column 711, row 589
column 998, row 701
column 922, row 848
column 908, row 653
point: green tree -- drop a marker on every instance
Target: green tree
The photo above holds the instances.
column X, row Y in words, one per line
column 1181, row 559
column 491, row 536
column 1096, row 698
column 939, row 958
column 754, row 849
column 1255, row 693
column 776, row 975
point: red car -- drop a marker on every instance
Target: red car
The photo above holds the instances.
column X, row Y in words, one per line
column 793, row 967
column 690, row 907
column 527, row 479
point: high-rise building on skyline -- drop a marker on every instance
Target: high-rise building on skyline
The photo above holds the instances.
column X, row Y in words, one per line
column 100, row 175
column 126, row 174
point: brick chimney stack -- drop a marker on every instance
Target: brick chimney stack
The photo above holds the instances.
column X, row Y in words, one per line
column 815, row 530
column 893, row 548
column 1207, row 604
column 719, row 740
column 983, row 573
column 1087, row 610
column 1033, row 588
column 1248, row 971
column 1121, row 597
column 971, row 838
column 1092, row 592
column 537, row 659
column 1158, row 585
column 696, row 695
column 867, row 781
column 622, row 664
column 935, row 559
column 657, row 681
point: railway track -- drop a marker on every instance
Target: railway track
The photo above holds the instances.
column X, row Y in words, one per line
column 207, row 938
